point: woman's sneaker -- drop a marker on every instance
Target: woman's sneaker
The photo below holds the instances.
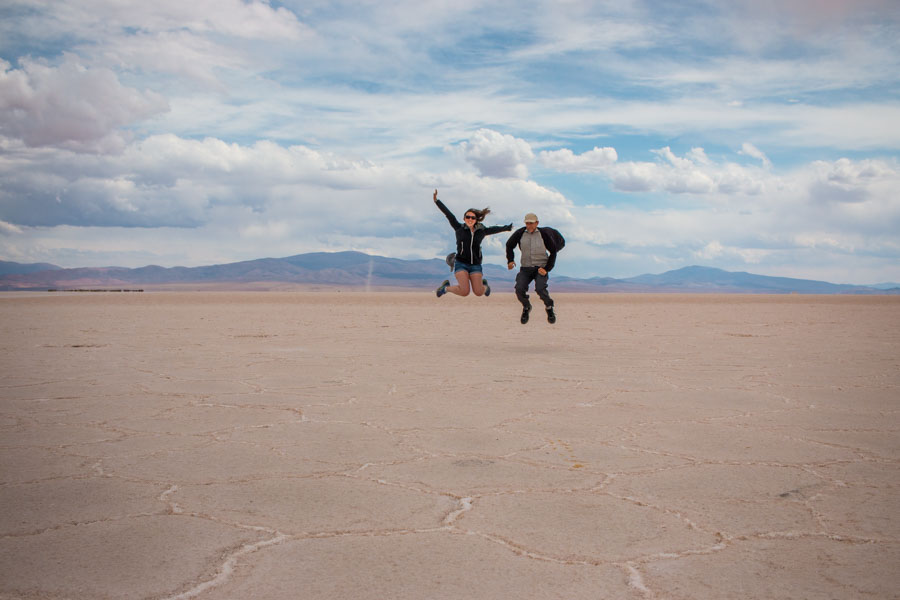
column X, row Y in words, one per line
column 487, row 288
column 442, row 289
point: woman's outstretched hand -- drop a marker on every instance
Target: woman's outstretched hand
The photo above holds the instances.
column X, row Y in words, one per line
column 435, row 195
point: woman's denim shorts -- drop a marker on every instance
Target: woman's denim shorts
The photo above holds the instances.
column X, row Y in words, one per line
column 461, row 266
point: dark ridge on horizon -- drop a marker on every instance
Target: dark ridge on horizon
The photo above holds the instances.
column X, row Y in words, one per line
column 14, row 268
column 359, row 270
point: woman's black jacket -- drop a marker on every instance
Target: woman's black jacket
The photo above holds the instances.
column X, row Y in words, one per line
column 468, row 242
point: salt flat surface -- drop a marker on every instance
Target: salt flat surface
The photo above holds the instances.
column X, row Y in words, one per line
column 393, row 445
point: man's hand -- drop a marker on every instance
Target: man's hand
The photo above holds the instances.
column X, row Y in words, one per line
column 542, row 270
column 511, row 265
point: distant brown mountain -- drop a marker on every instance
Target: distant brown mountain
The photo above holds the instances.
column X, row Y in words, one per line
column 330, row 270
column 706, row 279
column 14, row 268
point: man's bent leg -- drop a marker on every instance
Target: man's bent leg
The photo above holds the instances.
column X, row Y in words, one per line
column 540, row 288
column 523, row 279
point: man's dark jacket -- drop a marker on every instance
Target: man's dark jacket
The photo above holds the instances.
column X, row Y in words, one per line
column 549, row 244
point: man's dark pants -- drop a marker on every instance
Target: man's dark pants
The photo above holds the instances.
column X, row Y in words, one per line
column 523, row 280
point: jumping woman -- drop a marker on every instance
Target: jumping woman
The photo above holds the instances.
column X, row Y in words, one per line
column 469, row 235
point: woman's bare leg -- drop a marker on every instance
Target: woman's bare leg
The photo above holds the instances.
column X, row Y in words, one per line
column 462, row 286
column 477, row 283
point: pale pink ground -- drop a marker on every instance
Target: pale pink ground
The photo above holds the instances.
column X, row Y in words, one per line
column 393, row 445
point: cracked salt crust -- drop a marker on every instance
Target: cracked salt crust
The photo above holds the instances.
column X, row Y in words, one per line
column 363, row 445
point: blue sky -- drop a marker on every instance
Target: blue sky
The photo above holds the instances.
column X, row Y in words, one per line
column 755, row 136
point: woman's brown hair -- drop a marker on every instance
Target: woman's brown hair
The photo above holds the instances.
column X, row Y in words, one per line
column 479, row 214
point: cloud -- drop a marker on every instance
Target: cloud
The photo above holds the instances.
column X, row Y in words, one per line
column 221, row 129
column 811, row 18
column 194, row 60
column 749, row 149
column 172, row 182
column 273, row 200
column 710, row 251
column 694, row 173
column 201, row 42
column 251, row 20
column 70, row 106
column 9, row 228
column 101, row 19
column 597, row 160
column 497, row 155
column 810, row 220
column 168, row 200
column 167, row 181
column 854, row 196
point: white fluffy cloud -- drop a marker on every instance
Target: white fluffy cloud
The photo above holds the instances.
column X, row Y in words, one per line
column 70, row 105
column 693, row 173
column 824, row 216
column 168, row 181
column 497, row 155
column 215, row 201
column 597, row 160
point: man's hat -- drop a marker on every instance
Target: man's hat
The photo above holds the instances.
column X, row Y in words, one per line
column 531, row 218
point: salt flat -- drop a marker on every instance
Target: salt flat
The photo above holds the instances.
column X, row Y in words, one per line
column 392, row 445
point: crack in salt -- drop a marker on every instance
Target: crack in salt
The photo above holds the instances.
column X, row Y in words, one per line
column 224, row 573
column 636, row 580
column 465, row 505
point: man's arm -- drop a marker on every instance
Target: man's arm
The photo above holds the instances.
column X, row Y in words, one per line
column 550, row 245
column 511, row 244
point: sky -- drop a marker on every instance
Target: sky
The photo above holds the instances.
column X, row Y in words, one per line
column 747, row 135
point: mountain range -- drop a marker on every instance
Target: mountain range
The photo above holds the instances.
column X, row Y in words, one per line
column 331, row 270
